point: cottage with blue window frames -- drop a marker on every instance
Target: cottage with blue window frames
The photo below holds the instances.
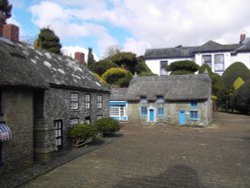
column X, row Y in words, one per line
column 173, row 99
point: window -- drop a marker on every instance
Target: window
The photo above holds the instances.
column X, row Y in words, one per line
column 99, row 101
column 160, row 99
column 58, row 134
column 143, row 100
column 122, row 111
column 163, row 64
column 194, row 104
column 74, row 121
column 144, row 111
column 114, row 111
column 74, row 101
column 194, row 115
column 87, row 101
column 219, row 62
column 207, row 59
column 160, row 111
column 87, row 120
column 99, row 117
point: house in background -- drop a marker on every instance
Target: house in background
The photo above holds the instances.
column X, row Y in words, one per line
column 218, row 56
column 118, row 104
column 42, row 95
column 176, row 99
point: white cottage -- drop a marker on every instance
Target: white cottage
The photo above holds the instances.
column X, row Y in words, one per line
column 218, row 56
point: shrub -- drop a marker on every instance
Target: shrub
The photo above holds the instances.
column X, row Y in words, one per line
column 117, row 76
column 102, row 66
column 241, row 98
column 182, row 67
column 233, row 72
column 82, row 134
column 107, row 125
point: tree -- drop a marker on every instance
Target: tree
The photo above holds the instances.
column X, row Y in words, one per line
column 5, row 8
column 48, row 40
column 233, row 72
column 102, row 66
column 91, row 59
column 117, row 76
column 126, row 60
column 241, row 98
column 182, row 67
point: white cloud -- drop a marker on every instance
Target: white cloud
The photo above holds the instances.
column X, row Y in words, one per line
column 154, row 24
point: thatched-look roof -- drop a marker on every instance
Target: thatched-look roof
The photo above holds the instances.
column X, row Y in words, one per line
column 172, row 88
column 118, row 94
column 22, row 64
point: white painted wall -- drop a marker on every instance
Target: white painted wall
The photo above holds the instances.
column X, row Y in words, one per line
column 229, row 59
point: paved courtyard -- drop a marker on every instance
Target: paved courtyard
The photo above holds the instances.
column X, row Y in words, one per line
column 160, row 156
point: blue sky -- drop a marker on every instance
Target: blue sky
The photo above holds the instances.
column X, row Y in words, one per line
column 132, row 25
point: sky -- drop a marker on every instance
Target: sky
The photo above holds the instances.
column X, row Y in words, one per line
column 132, row 25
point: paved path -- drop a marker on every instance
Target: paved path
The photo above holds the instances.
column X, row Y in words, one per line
column 163, row 157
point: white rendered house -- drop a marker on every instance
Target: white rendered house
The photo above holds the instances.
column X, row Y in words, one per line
column 218, row 56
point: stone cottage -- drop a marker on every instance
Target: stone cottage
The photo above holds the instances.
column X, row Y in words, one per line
column 176, row 99
column 42, row 96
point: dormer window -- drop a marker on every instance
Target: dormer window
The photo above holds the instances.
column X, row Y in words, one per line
column 194, row 104
column 143, row 100
column 160, row 99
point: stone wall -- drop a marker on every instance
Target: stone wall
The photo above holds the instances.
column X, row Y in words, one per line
column 55, row 104
column 171, row 112
column 18, row 115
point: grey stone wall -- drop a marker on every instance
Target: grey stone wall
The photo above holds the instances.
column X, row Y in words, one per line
column 55, row 105
column 18, row 115
column 171, row 112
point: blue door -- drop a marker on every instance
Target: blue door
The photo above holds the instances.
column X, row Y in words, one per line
column 151, row 115
column 182, row 117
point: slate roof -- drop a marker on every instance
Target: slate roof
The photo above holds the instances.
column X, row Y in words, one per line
column 118, row 94
column 172, row 87
column 22, row 64
column 185, row 52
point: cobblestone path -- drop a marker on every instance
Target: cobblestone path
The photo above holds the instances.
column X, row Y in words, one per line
column 163, row 156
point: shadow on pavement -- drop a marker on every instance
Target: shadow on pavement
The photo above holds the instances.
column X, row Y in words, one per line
column 175, row 176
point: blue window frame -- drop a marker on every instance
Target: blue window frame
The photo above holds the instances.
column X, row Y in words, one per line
column 194, row 104
column 160, row 111
column 143, row 100
column 144, row 110
column 160, row 99
column 194, row 115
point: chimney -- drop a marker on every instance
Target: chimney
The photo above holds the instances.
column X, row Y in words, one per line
column 11, row 32
column 242, row 37
column 79, row 56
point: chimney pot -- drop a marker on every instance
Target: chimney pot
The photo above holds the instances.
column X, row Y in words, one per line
column 79, row 56
column 242, row 37
column 11, row 32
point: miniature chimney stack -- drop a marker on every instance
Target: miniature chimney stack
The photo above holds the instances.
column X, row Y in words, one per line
column 11, row 32
column 79, row 56
column 242, row 37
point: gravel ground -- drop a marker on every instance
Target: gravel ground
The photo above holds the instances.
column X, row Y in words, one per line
column 163, row 156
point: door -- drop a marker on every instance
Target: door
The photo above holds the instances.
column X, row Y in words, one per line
column 59, row 134
column 182, row 117
column 151, row 115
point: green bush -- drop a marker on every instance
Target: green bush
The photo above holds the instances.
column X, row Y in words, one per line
column 182, row 67
column 117, row 76
column 102, row 66
column 107, row 125
column 82, row 133
column 241, row 98
column 233, row 72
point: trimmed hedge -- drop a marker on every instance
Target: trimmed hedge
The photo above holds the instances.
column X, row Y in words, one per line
column 241, row 98
column 182, row 67
column 82, row 134
column 107, row 125
column 233, row 72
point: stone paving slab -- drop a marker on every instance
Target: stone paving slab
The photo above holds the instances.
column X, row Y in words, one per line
column 163, row 156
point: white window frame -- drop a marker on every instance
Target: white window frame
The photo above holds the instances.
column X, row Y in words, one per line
column 99, row 101
column 87, row 100
column 74, row 101
column 220, row 62
column 74, row 121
